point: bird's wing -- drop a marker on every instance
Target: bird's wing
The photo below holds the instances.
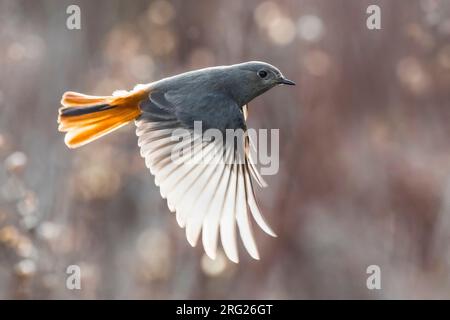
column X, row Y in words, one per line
column 209, row 196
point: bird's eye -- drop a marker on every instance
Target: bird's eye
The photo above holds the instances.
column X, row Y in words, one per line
column 262, row 74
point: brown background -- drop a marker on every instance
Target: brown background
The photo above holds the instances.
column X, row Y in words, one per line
column 365, row 157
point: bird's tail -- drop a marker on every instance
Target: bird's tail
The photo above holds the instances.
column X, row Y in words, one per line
column 85, row 118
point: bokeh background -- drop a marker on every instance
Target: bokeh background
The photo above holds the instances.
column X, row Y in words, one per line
column 364, row 147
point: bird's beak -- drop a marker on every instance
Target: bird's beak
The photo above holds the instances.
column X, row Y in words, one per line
column 287, row 81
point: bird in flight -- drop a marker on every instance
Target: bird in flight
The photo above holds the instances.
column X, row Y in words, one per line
column 213, row 198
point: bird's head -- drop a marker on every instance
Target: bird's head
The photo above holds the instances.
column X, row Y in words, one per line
column 253, row 78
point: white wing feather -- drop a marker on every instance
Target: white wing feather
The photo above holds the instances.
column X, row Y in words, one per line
column 208, row 198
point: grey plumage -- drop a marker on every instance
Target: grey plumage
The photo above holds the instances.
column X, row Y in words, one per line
column 214, row 95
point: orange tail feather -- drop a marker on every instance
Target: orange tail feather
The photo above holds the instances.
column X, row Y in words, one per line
column 86, row 118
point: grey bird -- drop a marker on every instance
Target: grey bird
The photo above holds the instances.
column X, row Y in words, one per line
column 208, row 199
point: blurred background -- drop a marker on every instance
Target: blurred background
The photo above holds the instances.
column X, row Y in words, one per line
column 364, row 150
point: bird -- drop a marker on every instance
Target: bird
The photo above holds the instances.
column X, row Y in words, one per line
column 214, row 199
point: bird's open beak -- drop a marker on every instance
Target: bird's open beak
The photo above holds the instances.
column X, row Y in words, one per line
column 287, row 81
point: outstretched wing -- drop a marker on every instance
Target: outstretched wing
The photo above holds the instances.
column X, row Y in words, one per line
column 210, row 194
